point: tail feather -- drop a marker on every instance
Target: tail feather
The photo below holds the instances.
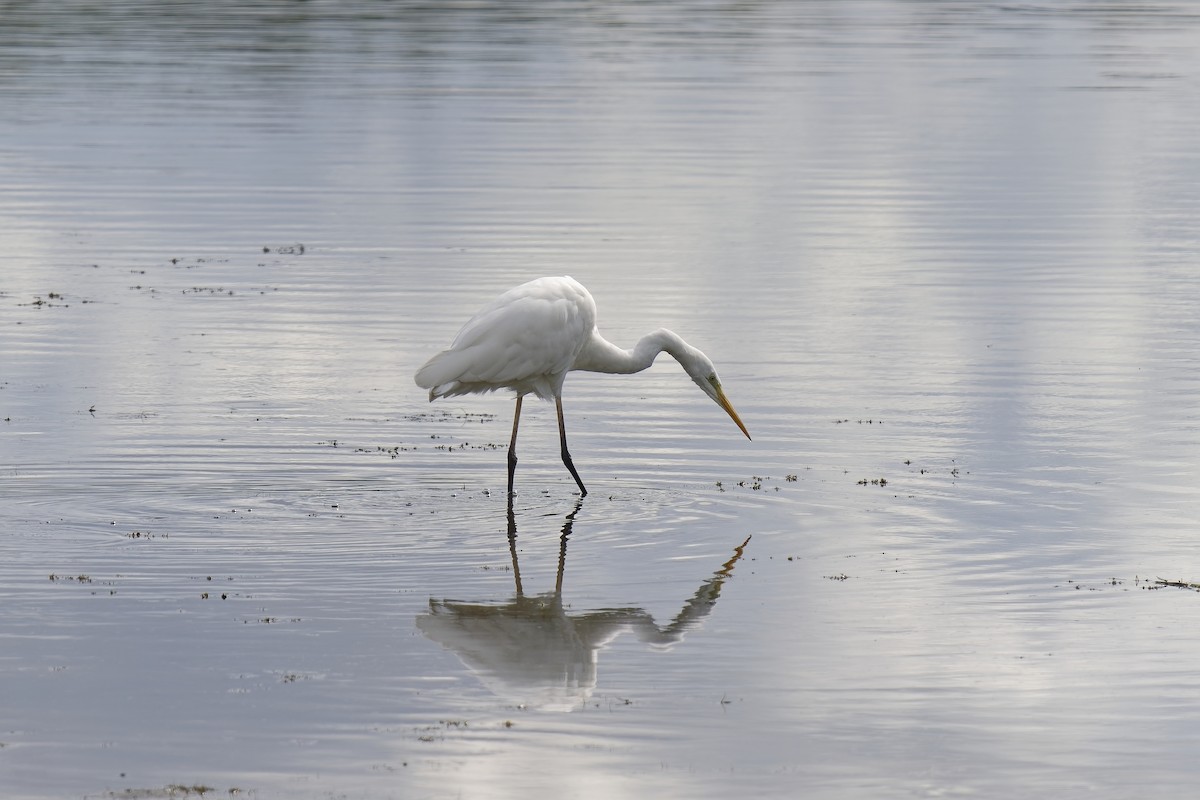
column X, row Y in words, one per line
column 441, row 374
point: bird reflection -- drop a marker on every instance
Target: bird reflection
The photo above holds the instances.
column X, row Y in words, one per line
column 532, row 651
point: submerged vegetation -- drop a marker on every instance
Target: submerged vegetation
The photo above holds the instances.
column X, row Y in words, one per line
column 174, row 790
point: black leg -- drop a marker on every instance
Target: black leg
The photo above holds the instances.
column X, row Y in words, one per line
column 512, row 450
column 566, row 456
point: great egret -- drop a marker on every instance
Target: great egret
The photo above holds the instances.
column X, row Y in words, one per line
column 530, row 337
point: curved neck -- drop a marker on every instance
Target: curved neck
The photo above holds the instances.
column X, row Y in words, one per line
column 601, row 355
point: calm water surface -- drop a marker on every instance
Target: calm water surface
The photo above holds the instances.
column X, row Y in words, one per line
column 944, row 255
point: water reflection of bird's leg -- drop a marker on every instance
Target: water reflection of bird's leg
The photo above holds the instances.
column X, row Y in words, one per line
column 512, row 549
column 562, row 547
column 512, row 452
column 566, row 456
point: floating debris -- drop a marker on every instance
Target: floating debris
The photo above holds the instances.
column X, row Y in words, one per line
column 1163, row 582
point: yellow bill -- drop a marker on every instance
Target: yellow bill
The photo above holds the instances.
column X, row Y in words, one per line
column 724, row 403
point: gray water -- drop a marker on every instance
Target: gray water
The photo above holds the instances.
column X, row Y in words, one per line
column 944, row 256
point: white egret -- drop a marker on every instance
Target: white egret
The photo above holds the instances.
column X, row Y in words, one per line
column 530, row 337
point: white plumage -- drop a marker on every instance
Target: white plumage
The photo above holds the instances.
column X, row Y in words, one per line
column 527, row 339
column 530, row 337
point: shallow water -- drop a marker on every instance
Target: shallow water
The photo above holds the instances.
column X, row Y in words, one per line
column 944, row 256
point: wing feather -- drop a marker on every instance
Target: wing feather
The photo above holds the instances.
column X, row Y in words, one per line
column 525, row 340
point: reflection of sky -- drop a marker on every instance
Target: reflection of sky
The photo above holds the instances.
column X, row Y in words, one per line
column 974, row 224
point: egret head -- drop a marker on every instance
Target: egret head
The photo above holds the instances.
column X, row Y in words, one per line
column 702, row 371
